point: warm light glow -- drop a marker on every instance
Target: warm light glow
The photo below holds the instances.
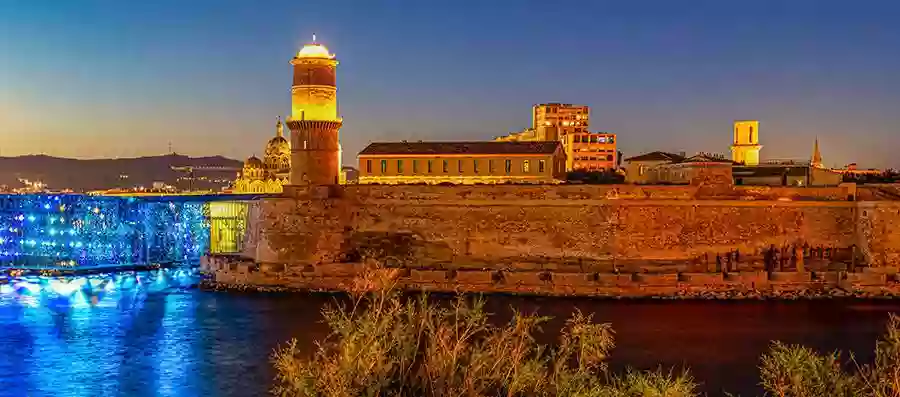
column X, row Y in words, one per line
column 315, row 51
column 455, row 179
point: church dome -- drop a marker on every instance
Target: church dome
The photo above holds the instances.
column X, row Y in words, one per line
column 253, row 162
column 278, row 154
column 278, row 144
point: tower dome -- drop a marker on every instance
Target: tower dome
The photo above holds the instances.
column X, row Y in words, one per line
column 278, row 150
column 315, row 50
column 253, row 162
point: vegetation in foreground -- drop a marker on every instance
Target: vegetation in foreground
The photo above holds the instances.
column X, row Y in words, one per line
column 384, row 345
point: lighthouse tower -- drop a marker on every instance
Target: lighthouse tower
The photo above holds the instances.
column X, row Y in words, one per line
column 314, row 121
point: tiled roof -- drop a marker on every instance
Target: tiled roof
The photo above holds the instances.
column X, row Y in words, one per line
column 768, row 171
column 657, row 156
column 479, row 147
column 703, row 158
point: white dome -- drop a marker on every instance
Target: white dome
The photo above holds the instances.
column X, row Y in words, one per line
column 314, row 51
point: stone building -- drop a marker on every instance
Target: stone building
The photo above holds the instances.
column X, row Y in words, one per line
column 569, row 124
column 667, row 168
column 270, row 174
column 462, row 162
column 745, row 146
column 746, row 168
column 642, row 169
column 314, row 120
column 312, row 156
column 591, row 151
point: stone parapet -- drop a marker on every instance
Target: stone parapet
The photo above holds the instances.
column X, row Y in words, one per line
column 238, row 273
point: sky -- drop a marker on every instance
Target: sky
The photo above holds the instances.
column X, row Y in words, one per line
column 115, row 78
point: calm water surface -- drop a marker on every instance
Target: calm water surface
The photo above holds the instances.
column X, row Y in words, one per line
column 195, row 343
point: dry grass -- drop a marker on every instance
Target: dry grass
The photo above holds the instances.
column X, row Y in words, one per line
column 383, row 345
column 796, row 371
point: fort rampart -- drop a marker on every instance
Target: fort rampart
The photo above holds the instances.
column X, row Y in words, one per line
column 620, row 240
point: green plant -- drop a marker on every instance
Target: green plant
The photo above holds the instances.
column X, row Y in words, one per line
column 385, row 345
column 796, row 371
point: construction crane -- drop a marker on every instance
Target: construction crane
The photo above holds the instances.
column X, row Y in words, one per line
column 189, row 169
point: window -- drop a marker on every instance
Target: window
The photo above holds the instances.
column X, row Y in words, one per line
column 383, row 167
column 399, row 166
column 608, row 157
column 751, row 134
column 415, row 166
column 526, row 166
column 475, row 166
column 641, row 170
column 368, row 166
column 612, row 140
column 602, row 139
column 429, row 166
column 593, row 139
column 490, row 166
column 508, row 166
column 459, row 165
column 446, row 166
column 541, row 166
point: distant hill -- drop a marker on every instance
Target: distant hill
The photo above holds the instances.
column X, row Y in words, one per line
column 95, row 174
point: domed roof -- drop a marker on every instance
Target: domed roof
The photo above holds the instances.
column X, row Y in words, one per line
column 314, row 50
column 277, row 147
column 253, row 162
column 278, row 142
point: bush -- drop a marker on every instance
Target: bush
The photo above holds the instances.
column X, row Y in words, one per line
column 796, row 371
column 384, row 345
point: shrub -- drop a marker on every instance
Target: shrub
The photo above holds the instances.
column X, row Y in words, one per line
column 796, row 371
column 384, row 345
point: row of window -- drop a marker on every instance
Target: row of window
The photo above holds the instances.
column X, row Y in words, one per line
column 593, row 158
column 593, row 150
column 460, row 166
column 594, row 139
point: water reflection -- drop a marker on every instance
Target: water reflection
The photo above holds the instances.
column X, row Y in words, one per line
column 143, row 337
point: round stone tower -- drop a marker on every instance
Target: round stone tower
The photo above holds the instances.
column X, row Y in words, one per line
column 314, row 121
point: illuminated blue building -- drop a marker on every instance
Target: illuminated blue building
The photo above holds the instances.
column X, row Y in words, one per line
column 65, row 231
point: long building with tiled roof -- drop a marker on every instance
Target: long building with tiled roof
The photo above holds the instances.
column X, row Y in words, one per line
column 462, row 162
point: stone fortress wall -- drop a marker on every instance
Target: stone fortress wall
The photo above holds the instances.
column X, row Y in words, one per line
column 618, row 240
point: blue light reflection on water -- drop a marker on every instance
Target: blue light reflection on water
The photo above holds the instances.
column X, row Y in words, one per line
column 73, row 336
column 130, row 336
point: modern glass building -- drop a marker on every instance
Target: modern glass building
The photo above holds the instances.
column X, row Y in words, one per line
column 79, row 231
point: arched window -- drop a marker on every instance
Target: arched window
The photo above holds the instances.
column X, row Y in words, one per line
column 751, row 134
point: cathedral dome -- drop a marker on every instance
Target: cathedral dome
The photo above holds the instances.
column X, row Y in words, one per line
column 278, row 154
column 253, row 162
column 278, row 144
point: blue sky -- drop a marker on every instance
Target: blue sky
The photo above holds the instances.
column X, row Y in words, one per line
column 126, row 78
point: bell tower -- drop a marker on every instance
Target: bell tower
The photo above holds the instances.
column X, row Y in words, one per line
column 314, row 121
column 745, row 147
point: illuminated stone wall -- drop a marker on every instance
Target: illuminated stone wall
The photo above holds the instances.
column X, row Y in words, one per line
column 590, row 227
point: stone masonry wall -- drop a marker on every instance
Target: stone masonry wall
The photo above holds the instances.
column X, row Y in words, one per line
column 576, row 227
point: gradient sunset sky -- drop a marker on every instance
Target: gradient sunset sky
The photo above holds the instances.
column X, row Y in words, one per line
column 125, row 78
